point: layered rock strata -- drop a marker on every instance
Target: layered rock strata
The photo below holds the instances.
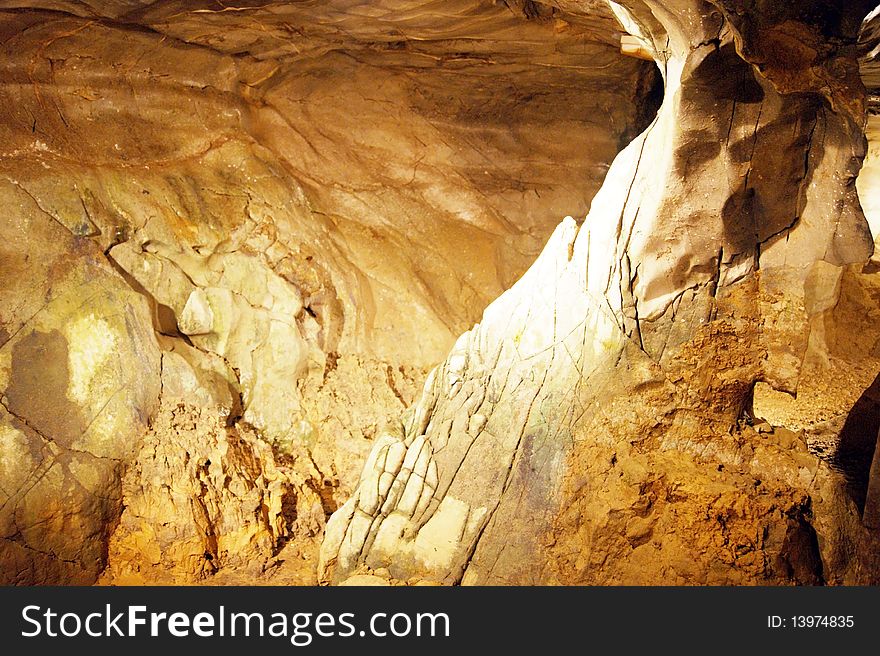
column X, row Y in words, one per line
column 598, row 424
column 234, row 238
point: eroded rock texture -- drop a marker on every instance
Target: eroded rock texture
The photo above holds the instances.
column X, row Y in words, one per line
column 598, row 425
column 79, row 370
column 869, row 177
column 234, row 236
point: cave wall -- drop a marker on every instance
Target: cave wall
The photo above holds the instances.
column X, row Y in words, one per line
column 869, row 66
column 869, row 176
column 236, row 238
column 597, row 425
column 233, row 241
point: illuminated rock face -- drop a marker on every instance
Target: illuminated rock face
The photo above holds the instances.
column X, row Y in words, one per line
column 597, row 425
column 79, row 371
column 234, row 241
column 869, row 177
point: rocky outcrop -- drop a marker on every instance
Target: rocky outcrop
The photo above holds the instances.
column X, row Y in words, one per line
column 869, row 66
column 236, row 238
column 275, row 219
column 597, row 425
column 79, row 368
column 201, row 494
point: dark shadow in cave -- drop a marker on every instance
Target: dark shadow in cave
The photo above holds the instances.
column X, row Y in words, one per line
column 650, row 91
column 858, row 440
column 763, row 208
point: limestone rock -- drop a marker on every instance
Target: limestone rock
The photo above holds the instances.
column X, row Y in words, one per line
column 370, row 225
column 197, row 317
column 201, row 495
column 229, row 257
column 79, row 380
column 627, row 354
column 166, row 189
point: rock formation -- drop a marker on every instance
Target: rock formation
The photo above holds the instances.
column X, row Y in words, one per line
column 238, row 236
column 597, row 425
column 235, row 240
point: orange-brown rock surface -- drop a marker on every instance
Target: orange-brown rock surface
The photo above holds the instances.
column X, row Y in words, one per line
column 238, row 238
column 286, row 210
column 598, row 425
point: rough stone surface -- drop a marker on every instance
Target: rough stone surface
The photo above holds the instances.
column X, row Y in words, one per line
column 201, row 495
column 237, row 236
column 78, row 384
column 295, row 208
column 595, row 426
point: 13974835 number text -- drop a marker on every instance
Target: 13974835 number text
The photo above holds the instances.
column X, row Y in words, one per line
column 811, row 622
